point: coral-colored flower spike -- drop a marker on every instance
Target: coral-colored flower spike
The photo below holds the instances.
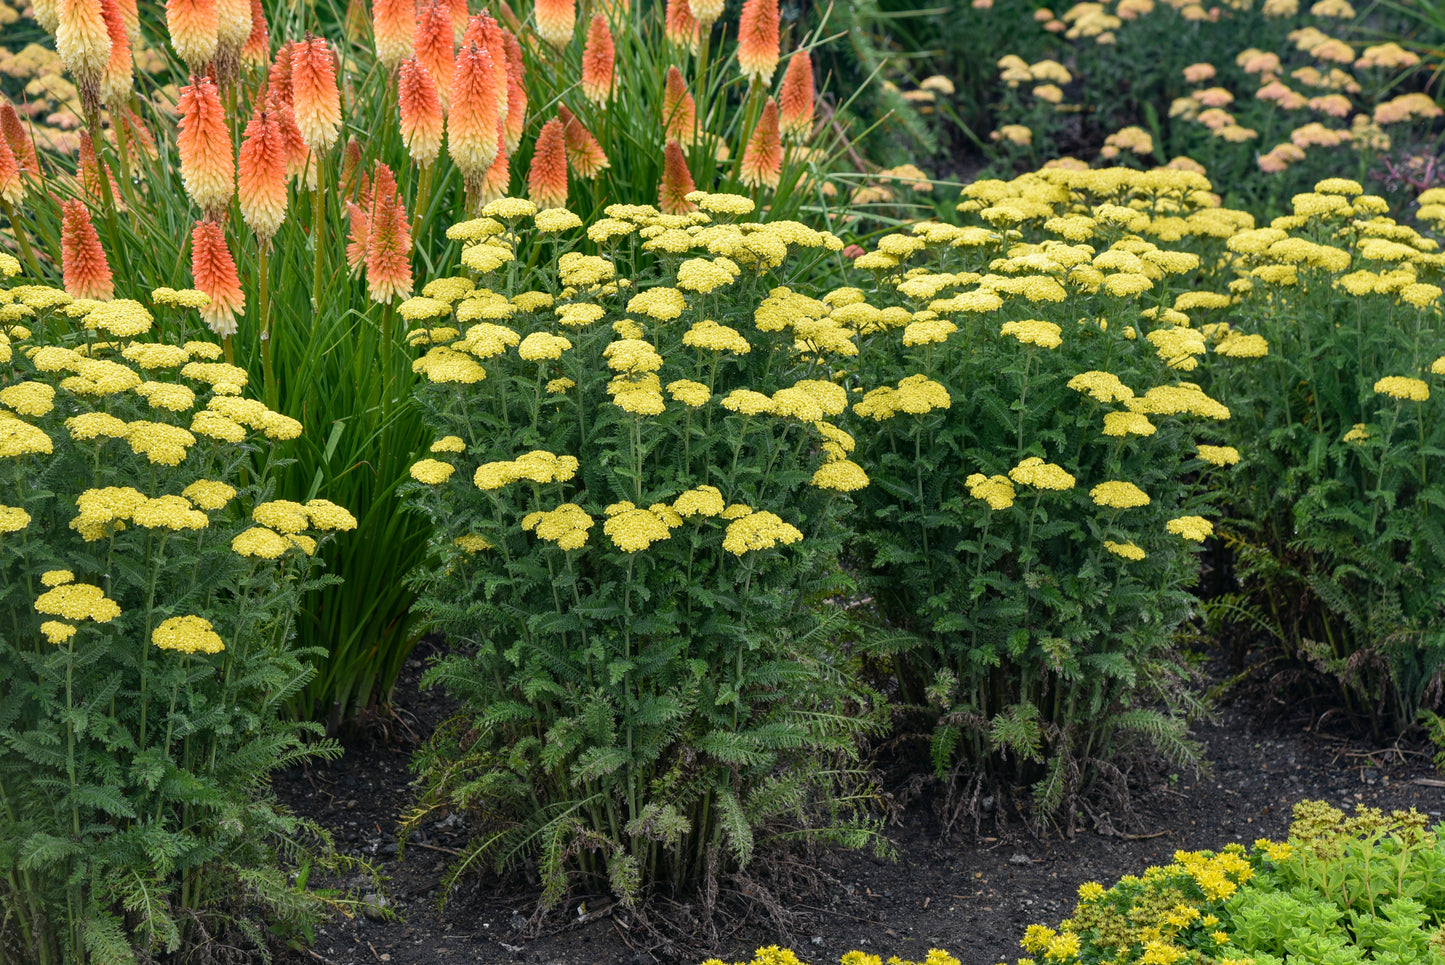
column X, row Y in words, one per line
column 118, row 78
column 679, row 111
column 556, row 19
column 599, row 62
column 261, row 175
column 547, row 180
column 758, row 40
column 682, row 27
column 18, row 138
column 496, row 44
column 89, row 175
column 796, row 97
column 393, row 25
column 130, row 16
column 257, row 49
column 677, row 182
column 460, row 16
column 204, row 145
column 194, row 27
column 421, row 112
column 315, row 98
column 83, row 43
column 388, row 254
column 12, row 185
column 278, row 79
column 583, row 152
column 498, row 180
column 516, row 91
column 214, row 271
column 436, row 47
column 360, row 230
column 82, row 260
column 472, row 123
column 705, row 12
column 763, row 159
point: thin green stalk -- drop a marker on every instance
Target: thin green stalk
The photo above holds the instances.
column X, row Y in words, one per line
column 22, row 239
column 318, row 227
column 263, row 308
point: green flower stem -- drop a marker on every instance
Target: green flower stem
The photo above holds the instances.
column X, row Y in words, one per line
column 318, row 226
column 22, row 239
column 263, row 314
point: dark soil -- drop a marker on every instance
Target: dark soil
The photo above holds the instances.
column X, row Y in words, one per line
column 972, row 895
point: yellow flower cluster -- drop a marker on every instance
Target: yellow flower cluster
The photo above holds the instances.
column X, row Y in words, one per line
column 1034, row 472
column 187, row 634
column 708, row 334
column 1128, row 551
column 567, row 525
column 760, row 530
column 632, row 529
column 1403, row 387
column 1101, row 386
column 1117, row 494
column 78, row 601
column 997, row 491
column 1195, row 528
column 915, row 395
column 538, row 466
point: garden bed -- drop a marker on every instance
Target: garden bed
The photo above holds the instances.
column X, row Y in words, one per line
column 972, row 897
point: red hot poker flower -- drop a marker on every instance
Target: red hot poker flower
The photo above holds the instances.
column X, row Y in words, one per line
column 315, row 98
column 393, row 25
column 118, row 77
column 516, row 91
column 677, row 182
column 547, row 180
column 763, row 160
column 679, row 111
column 261, row 184
column 797, row 97
column 82, row 260
column 388, row 255
column 682, row 27
column 204, row 145
column 214, row 271
column 194, row 27
column 599, row 62
column 758, row 41
column 421, row 113
column 19, row 139
column 556, row 19
column 472, row 124
column 257, row 49
column 583, row 152
column 435, row 47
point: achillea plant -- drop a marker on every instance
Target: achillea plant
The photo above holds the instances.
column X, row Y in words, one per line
column 150, row 590
column 1043, row 460
column 638, row 511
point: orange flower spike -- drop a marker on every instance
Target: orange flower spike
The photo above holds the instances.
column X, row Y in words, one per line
column 257, row 49
column 388, row 255
column 547, row 180
column 140, row 135
column 796, row 97
column 315, row 98
column 89, row 174
column 472, row 122
column 204, row 145
column 18, row 139
column 599, row 62
column 12, row 185
column 460, row 15
column 677, row 182
column 194, row 27
column 583, row 152
column 118, row 79
column 679, row 110
column 82, row 260
column 421, row 112
column 350, row 165
column 682, row 27
column 516, row 91
column 360, row 231
column 296, row 150
column 214, row 271
column 497, row 183
column 393, row 26
column 705, row 12
column 261, row 180
column 435, row 47
column 278, row 79
column 130, row 16
column 758, row 41
column 496, row 44
column 83, row 42
column 763, row 160
column 556, row 19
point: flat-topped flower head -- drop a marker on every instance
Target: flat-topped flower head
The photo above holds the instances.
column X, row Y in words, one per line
column 1195, row 528
column 78, row 601
column 187, row 634
column 1033, row 471
column 756, row 531
column 1117, row 494
column 1403, row 387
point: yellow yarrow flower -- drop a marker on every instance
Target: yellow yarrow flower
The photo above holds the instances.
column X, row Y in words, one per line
column 1127, row 424
column 1219, row 455
column 449, row 444
column 56, row 577
column 997, row 491
column 1117, row 494
column 1402, row 387
column 187, row 634
column 760, row 530
column 567, row 525
column 20, row 438
column 174, row 513
column 708, row 334
column 472, row 543
column 209, row 493
column 1128, row 551
column 78, row 601
column 1032, row 331
column 1033, row 471
column 1101, row 386
column 57, row 632
column 29, row 398
column 699, row 501
column 432, row 472
column 1195, row 528
column 540, row 346
column 688, row 392
column 842, row 475
column 559, row 386
column 635, row 529
column 260, row 542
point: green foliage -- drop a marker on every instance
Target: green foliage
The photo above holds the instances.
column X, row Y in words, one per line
column 1027, row 611
column 645, row 689
column 136, row 742
column 1342, row 890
